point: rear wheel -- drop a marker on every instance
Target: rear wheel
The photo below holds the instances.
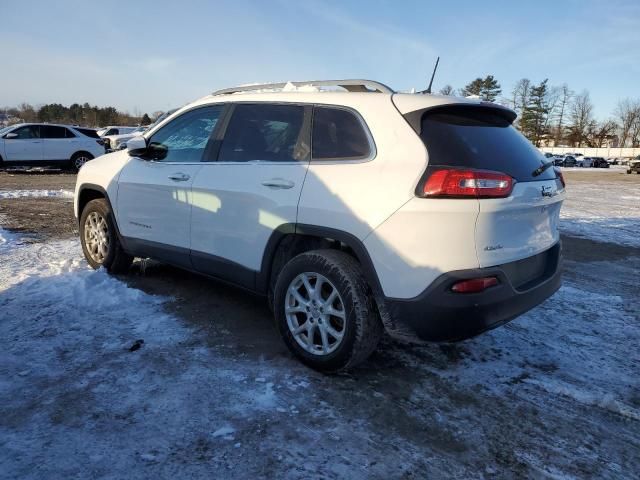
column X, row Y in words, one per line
column 99, row 240
column 324, row 310
column 79, row 159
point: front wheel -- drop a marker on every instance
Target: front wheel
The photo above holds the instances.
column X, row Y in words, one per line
column 99, row 239
column 325, row 312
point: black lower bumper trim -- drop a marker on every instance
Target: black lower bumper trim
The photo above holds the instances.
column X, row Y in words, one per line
column 440, row 315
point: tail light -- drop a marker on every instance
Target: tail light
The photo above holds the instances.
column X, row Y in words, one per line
column 466, row 183
column 474, row 285
column 100, row 142
column 560, row 176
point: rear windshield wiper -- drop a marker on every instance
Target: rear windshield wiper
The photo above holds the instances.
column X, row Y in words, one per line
column 542, row 168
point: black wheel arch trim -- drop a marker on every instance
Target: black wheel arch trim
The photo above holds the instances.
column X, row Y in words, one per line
column 103, row 192
column 349, row 240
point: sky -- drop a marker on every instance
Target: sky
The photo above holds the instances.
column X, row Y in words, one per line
column 146, row 56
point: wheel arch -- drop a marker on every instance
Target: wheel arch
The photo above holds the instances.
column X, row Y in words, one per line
column 86, row 152
column 290, row 240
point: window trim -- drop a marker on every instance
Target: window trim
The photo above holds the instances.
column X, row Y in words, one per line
column 33, row 125
column 210, row 142
column 305, row 132
column 373, row 151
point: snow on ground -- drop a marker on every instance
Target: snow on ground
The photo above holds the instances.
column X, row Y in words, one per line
column 603, row 211
column 6, row 194
column 553, row 394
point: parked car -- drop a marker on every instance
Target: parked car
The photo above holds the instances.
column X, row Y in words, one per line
column 351, row 212
column 114, row 130
column 39, row 144
column 558, row 160
column 600, row 162
column 613, row 161
column 586, row 162
column 569, row 161
column 115, row 142
column 549, row 155
column 634, row 166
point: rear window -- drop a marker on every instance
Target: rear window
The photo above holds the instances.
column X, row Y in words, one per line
column 52, row 131
column 480, row 138
column 338, row 134
column 88, row 132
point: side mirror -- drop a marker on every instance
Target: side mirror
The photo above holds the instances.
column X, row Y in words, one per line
column 137, row 147
column 11, row 135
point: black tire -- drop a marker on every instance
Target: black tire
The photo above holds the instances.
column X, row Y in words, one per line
column 362, row 327
column 78, row 159
column 116, row 259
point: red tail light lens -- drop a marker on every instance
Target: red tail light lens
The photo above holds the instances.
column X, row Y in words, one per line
column 457, row 183
column 474, row 285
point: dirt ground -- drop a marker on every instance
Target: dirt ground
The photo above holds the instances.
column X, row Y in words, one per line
column 410, row 393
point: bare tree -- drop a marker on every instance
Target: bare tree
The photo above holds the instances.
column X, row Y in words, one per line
column 635, row 133
column 447, row 90
column 628, row 113
column 581, row 114
column 563, row 105
column 598, row 133
column 520, row 94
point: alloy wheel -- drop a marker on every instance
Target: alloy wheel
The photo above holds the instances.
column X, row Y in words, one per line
column 315, row 313
column 96, row 237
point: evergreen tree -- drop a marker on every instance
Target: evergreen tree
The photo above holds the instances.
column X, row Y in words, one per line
column 145, row 120
column 486, row 88
column 534, row 115
column 490, row 88
column 473, row 88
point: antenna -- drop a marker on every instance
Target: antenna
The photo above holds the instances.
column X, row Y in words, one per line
column 428, row 90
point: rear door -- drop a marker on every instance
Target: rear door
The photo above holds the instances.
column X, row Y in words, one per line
column 251, row 190
column 480, row 138
column 154, row 191
column 58, row 142
column 26, row 146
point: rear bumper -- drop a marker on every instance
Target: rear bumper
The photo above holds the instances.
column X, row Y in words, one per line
column 440, row 315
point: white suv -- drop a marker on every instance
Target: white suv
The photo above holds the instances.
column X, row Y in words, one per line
column 354, row 212
column 42, row 144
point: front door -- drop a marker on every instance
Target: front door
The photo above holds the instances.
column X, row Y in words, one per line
column 26, row 146
column 251, row 190
column 154, row 192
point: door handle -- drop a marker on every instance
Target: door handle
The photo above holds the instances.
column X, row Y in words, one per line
column 278, row 183
column 179, row 177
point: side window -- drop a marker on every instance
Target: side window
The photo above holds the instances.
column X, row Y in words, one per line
column 265, row 132
column 26, row 133
column 69, row 134
column 50, row 131
column 184, row 139
column 338, row 134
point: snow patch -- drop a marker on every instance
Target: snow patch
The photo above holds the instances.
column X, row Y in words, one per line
column 605, row 212
column 6, row 194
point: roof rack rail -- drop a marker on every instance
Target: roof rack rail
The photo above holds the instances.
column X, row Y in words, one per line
column 348, row 85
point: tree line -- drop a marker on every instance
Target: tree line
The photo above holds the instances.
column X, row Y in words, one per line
column 557, row 114
column 85, row 115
